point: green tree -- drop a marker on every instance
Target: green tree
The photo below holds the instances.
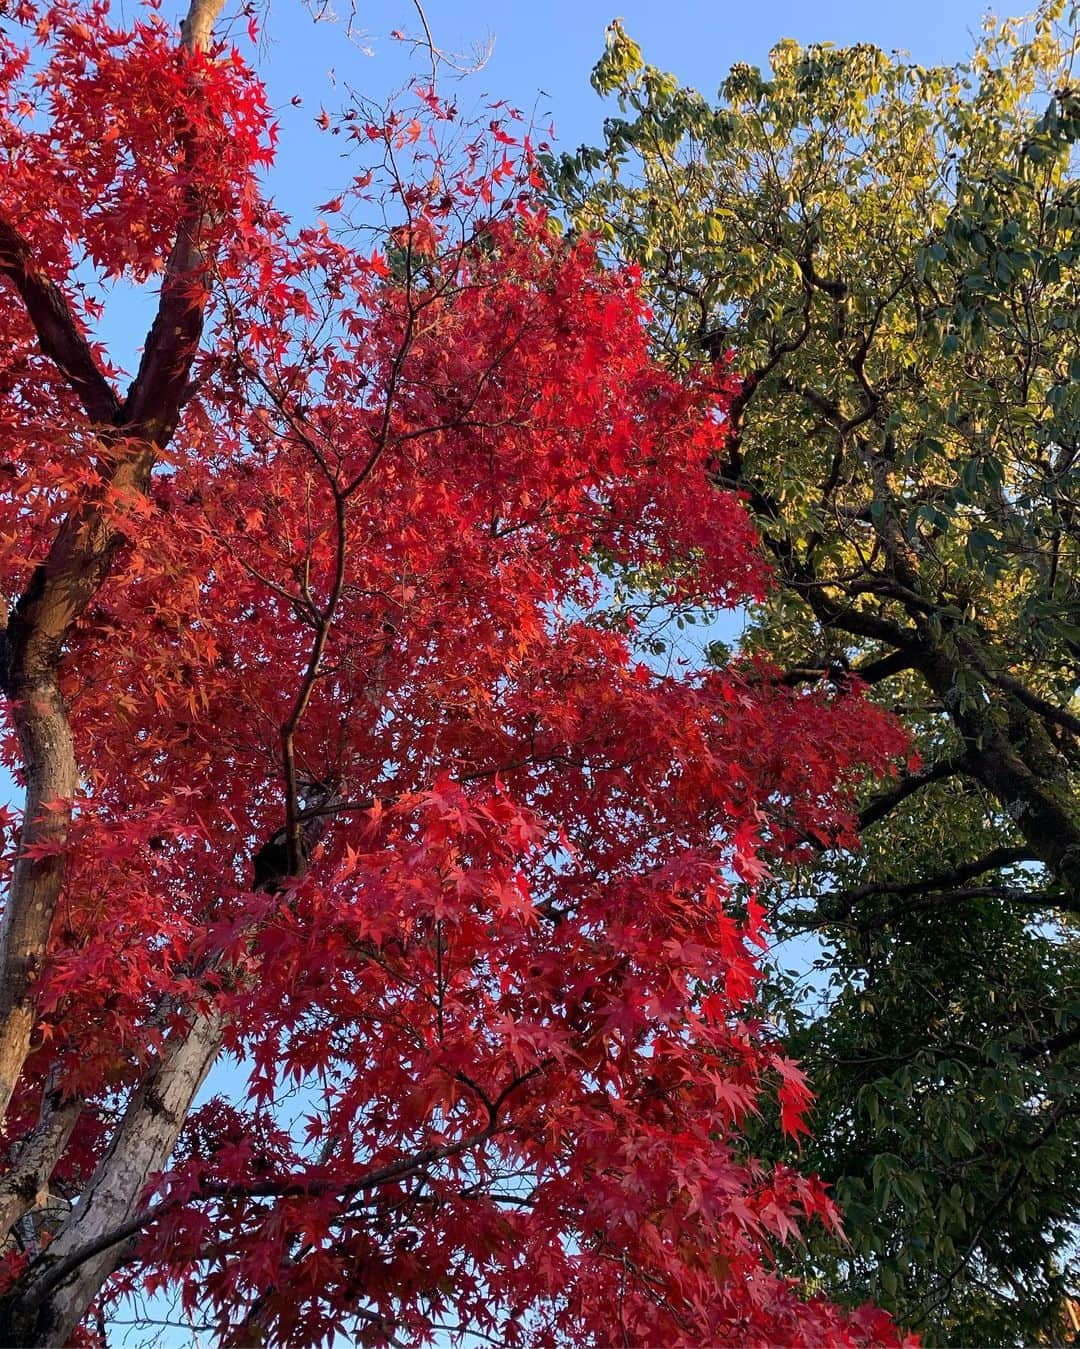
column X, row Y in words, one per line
column 890, row 254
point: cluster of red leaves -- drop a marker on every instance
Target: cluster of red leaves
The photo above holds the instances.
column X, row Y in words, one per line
column 511, row 991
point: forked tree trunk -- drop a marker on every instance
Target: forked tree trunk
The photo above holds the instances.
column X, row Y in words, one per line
column 45, row 1307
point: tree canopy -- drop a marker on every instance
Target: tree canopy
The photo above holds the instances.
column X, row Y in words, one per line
column 888, row 256
column 339, row 760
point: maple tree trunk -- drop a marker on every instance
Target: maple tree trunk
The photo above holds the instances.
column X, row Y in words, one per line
column 49, row 758
column 46, row 1309
column 61, row 588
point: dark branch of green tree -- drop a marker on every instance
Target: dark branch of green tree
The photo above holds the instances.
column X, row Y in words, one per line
column 882, row 805
column 1053, row 1044
column 1010, row 894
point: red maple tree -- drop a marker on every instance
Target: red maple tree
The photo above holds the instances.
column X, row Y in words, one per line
column 338, row 758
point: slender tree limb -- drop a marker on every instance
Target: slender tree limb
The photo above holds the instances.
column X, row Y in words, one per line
column 1052, row 1044
column 54, row 1272
column 884, row 803
column 944, row 880
column 25, row 1184
column 1059, row 715
column 839, row 672
column 945, row 886
column 1009, row 894
column 57, row 328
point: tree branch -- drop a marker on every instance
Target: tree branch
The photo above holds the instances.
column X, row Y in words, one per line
column 57, row 328
column 874, row 671
column 1034, row 703
column 53, row 1276
column 1052, row 1044
column 153, row 404
column 855, row 621
column 1009, row 894
column 884, row 803
column 944, row 880
column 25, row 1183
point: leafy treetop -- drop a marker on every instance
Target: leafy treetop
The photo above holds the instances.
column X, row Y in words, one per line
column 336, row 761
